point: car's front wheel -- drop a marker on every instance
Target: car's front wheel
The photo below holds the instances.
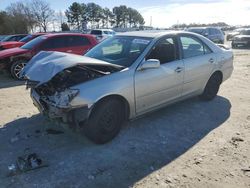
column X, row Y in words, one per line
column 105, row 121
column 212, row 87
column 17, row 67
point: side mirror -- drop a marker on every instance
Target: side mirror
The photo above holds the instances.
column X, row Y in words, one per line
column 150, row 64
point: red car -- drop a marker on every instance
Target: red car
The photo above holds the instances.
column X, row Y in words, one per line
column 15, row 59
column 14, row 44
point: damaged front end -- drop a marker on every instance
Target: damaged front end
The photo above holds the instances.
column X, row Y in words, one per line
column 52, row 93
column 53, row 98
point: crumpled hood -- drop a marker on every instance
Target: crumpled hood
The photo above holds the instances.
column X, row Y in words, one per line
column 45, row 65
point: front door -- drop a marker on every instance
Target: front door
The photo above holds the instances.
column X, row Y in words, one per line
column 157, row 86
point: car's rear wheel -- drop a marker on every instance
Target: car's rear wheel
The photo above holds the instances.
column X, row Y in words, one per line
column 17, row 67
column 105, row 121
column 212, row 87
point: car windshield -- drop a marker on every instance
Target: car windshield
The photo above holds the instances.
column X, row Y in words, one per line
column 96, row 32
column 8, row 38
column 199, row 31
column 26, row 39
column 2, row 37
column 245, row 32
column 120, row 50
column 31, row 44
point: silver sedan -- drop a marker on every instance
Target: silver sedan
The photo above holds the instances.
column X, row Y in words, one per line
column 125, row 77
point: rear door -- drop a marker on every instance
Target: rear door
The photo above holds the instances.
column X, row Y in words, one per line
column 77, row 44
column 199, row 62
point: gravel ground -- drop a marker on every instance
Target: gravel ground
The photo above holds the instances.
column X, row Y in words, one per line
column 188, row 144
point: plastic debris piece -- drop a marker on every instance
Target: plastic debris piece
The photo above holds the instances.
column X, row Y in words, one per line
column 26, row 163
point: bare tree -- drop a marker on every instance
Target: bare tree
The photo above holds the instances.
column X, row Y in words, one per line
column 22, row 11
column 43, row 13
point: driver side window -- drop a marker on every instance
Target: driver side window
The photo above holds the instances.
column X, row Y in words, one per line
column 165, row 51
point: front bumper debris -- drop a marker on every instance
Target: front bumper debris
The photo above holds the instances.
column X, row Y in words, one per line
column 65, row 115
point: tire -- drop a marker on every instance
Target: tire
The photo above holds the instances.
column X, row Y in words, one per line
column 16, row 68
column 212, row 87
column 105, row 121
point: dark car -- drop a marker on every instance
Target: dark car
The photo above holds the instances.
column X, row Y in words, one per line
column 243, row 39
column 15, row 59
column 214, row 34
column 14, row 37
column 235, row 32
column 14, row 44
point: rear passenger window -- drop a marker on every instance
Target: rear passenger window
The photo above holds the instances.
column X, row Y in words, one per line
column 193, row 47
column 55, row 42
column 76, row 41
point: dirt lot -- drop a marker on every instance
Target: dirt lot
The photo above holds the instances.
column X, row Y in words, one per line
column 189, row 144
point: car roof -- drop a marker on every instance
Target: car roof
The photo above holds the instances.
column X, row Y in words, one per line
column 101, row 30
column 151, row 33
column 203, row 28
column 67, row 34
column 16, row 35
column 40, row 33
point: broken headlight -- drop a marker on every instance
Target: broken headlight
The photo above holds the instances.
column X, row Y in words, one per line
column 62, row 99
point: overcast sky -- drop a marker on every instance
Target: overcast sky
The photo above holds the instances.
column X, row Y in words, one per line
column 168, row 12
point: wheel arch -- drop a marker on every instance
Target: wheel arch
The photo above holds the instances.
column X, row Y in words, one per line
column 13, row 59
column 118, row 97
column 219, row 73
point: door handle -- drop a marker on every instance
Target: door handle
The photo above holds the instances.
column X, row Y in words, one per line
column 178, row 69
column 211, row 60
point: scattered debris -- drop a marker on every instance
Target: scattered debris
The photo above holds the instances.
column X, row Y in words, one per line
column 246, row 170
column 184, row 175
column 53, row 131
column 248, row 117
column 14, row 139
column 164, row 142
column 168, row 180
column 237, row 139
column 26, row 163
column 17, row 133
column 197, row 161
column 91, row 177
